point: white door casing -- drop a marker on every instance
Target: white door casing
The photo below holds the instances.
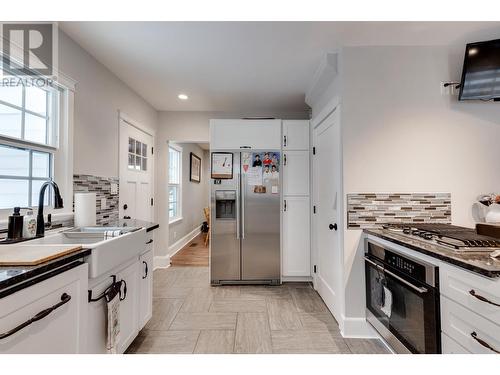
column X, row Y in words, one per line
column 327, row 198
column 136, row 183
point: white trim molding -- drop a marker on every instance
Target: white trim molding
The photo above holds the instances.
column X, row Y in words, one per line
column 161, row 261
column 173, row 249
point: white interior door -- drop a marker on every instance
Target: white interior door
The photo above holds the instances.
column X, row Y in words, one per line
column 326, row 230
column 136, row 173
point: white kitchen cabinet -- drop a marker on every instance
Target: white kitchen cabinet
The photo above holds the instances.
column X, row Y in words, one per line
column 296, row 257
column 245, row 134
column 295, row 173
column 129, row 311
column 450, row 346
column 63, row 330
column 146, row 288
column 295, row 135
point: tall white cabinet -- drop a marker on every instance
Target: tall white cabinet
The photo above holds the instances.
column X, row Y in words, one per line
column 296, row 249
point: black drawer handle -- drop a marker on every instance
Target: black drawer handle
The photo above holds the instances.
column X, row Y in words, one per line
column 483, row 343
column 150, row 241
column 472, row 292
column 65, row 298
column 145, row 270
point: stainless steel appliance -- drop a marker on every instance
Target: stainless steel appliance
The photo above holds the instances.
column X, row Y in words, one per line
column 402, row 299
column 245, row 222
column 458, row 239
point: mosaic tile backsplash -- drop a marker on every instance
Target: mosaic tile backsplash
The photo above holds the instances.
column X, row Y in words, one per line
column 102, row 187
column 371, row 210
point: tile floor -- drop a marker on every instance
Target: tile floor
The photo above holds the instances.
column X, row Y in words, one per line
column 190, row 316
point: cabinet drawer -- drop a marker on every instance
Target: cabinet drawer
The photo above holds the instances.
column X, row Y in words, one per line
column 63, row 330
column 450, row 346
column 472, row 291
column 468, row 329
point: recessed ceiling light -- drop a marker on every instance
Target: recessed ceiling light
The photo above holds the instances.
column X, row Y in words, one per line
column 182, row 97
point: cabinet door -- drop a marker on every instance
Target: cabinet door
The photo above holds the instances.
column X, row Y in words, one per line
column 296, row 173
column 61, row 331
column 296, row 237
column 129, row 307
column 146, row 292
column 295, row 134
column 241, row 134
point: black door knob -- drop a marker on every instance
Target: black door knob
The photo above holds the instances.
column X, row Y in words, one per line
column 333, row 226
column 125, row 206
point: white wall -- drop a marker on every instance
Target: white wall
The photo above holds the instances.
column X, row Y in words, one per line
column 401, row 135
column 99, row 96
column 194, row 196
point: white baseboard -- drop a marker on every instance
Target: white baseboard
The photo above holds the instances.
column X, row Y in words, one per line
column 161, row 262
column 357, row 328
column 173, row 249
column 296, row 279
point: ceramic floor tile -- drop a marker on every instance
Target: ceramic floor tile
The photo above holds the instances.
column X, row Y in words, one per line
column 252, row 334
column 238, row 305
column 198, row 321
column 283, row 314
column 226, row 291
column 261, row 292
column 165, row 342
column 300, row 341
column 171, row 292
column 164, row 311
column 215, row 342
column 198, row 300
column 320, row 322
column 307, row 300
column 366, row 346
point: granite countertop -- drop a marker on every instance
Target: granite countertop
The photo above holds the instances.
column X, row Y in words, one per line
column 13, row 278
column 480, row 263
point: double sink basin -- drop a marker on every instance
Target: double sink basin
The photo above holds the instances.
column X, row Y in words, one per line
column 107, row 253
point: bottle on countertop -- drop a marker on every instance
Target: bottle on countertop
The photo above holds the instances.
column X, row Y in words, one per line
column 29, row 225
column 15, row 230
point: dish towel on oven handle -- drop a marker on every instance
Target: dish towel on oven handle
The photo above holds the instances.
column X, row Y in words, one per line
column 387, row 305
column 113, row 326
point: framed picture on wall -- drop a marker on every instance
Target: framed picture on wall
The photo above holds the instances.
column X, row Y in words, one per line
column 194, row 168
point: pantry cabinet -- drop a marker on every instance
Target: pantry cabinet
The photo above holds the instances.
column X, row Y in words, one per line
column 296, row 237
column 296, row 247
column 295, row 135
column 234, row 134
column 62, row 330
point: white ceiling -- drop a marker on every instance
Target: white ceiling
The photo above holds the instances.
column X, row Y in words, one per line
column 243, row 66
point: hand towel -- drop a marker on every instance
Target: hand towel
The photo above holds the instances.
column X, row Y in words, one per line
column 113, row 328
column 387, row 306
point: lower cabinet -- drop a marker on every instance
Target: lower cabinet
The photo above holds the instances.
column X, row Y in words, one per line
column 146, row 286
column 62, row 330
column 296, row 259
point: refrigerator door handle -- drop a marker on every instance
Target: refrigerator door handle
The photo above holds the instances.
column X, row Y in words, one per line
column 238, row 209
column 242, row 191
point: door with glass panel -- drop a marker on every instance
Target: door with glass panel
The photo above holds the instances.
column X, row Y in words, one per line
column 136, row 173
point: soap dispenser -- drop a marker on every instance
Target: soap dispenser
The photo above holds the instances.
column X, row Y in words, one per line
column 29, row 226
column 15, row 230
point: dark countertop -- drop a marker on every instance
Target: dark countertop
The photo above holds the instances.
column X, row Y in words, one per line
column 13, row 278
column 480, row 263
column 135, row 223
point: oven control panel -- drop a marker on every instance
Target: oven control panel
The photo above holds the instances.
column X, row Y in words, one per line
column 405, row 265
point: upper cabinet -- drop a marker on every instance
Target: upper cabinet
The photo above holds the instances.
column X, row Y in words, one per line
column 295, row 135
column 245, row 134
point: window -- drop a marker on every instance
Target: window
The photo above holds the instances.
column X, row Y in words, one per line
column 28, row 142
column 174, row 182
column 137, row 155
column 22, row 173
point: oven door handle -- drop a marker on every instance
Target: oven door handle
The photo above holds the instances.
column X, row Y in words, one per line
column 419, row 289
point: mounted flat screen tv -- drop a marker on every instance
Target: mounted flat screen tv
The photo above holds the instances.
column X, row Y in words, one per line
column 481, row 72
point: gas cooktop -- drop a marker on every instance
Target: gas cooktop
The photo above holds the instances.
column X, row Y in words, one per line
column 451, row 236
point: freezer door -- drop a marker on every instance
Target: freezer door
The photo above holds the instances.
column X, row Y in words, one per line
column 260, row 226
column 224, row 238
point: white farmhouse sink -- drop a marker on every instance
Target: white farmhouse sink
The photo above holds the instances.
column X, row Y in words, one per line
column 106, row 254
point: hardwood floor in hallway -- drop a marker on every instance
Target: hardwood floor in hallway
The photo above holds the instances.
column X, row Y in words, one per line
column 190, row 316
column 194, row 254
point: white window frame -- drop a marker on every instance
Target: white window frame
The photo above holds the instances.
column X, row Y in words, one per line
column 175, row 219
column 61, row 148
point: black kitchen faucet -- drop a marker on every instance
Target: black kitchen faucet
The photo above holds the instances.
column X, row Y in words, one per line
column 58, row 203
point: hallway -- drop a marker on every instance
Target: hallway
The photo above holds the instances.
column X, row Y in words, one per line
column 190, row 316
column 194, row 254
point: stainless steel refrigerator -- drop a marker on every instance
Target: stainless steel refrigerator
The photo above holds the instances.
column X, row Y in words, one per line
column 245, row 217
